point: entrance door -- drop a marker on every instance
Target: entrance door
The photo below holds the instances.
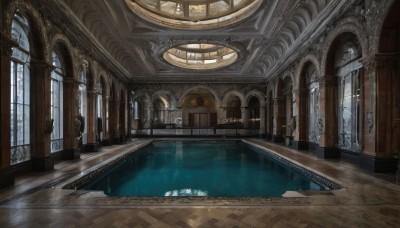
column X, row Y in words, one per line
column 201, row 120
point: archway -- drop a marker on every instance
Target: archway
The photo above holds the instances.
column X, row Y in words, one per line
column 387, row 71
column 309, row 110
column 199, row 109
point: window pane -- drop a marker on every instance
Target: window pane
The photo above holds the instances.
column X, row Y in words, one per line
column 20, row 84
column 26, row 124
column 20, row 124
column 26, row 85
column 12, row 121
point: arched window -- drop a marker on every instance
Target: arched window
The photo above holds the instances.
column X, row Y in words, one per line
column 99, row 111
column 82, row 102
column 161, row 111
column 20, row 91
column 57, row 102
column 233, row 110
column 313, row 104
column 347, row 69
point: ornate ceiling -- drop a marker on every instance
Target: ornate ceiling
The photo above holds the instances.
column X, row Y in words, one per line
column 134, row 47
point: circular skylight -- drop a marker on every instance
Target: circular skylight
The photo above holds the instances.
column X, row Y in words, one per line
column 200, row 56
column 193, row 14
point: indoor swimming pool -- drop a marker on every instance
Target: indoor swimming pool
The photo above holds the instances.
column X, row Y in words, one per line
column 204, row 168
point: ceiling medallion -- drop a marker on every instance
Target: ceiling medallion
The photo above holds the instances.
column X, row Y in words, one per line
column 200, row 56
column 193, row 14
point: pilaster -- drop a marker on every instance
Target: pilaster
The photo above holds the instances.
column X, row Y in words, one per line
column 381, row 133
column 71, row 122
column 278, row 133
column 42, row 124
column 300, row 141
column 6, row 172
column 327, row 124
column 92, row 145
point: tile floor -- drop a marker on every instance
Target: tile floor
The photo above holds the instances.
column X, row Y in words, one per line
column 38, row 200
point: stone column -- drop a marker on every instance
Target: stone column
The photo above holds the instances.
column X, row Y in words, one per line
column 123, row 120
column 92, row 145
column 278, row 121
column 300, row 141
column 42, row 124
column 269, row 115
column 327, row 124
column 6, row 172
column 381, row 135
column 114, row 120
column 106, row 118
column 245, row 117
column 71, row 123
column 262, row 121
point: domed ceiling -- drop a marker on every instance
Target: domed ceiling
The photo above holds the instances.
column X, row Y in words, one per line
column 144, row 40
column 193, row 15
column 199, row 56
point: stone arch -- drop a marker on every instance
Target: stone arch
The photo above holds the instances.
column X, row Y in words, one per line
column 230, row 111
column 233, row 93
column 166, row 94
column 63, row 45
column 37, row 26
column 307, row 100
column 384, row 112
column 210, row 90
column 201, row 107
column 255, row 93
column 351, row 25
column 334, row 133
column 308, row 59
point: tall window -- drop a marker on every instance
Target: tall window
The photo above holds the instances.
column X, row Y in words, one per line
column 99, row 88
column 233, row 111
column 347, row 68
column 20, row 92
column 82, row 105
column 313, row 105
column 57, row 103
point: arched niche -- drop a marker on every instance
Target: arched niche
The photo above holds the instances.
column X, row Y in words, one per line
column 199, row 109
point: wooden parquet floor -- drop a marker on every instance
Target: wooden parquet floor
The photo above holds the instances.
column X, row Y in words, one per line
column 365, row 201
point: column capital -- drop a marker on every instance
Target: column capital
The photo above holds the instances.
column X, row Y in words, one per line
column 43, row 65
column 380, row 60
column 69, row 80
column 92, row 91
column 6, row 45
column 300, row 92
column 327, row 81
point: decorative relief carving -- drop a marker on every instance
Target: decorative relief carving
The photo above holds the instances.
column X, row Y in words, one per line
column 6, row 45
column 370, row 121
column 374, row 61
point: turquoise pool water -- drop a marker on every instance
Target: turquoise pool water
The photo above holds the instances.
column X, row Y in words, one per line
column 200, row 168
